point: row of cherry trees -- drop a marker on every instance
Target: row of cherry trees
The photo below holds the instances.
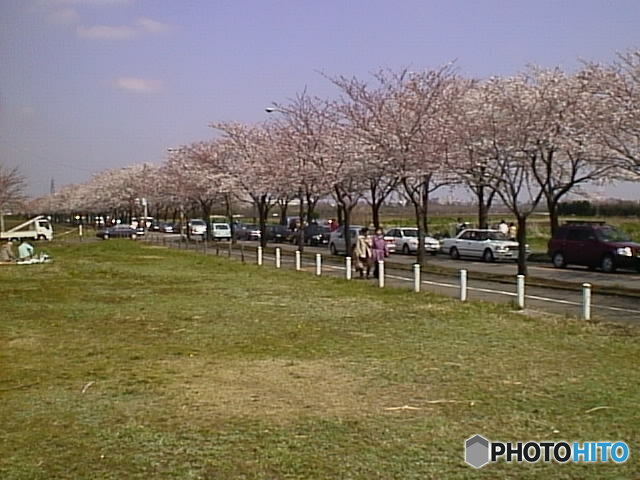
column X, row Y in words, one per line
column 525, row 139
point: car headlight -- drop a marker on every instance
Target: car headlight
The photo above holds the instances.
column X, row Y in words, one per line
column 624, row 252
column 502, row 249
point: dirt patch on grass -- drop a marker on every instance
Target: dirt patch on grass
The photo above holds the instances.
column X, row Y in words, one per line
column 151, row 257
column 280, row 390
column 24, row 342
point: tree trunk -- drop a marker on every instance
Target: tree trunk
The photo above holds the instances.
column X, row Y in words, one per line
column 311, row 207
column 229, row 215
column 301, row 222
column 482, row 209
column 340, row 213
column 284, row 206
column 522, row 240
column 552, row 207
column 375, row 212
column 263, row 211
column 205, row 207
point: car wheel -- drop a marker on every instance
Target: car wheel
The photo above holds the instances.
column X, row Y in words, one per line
column 558, row 260
column 333, row 249
column 405, row 249
column 434, row 253
column 608, row 265
column 454, row 253
column 487, row 256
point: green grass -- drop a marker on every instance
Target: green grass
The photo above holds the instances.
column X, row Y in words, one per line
column 123, row 361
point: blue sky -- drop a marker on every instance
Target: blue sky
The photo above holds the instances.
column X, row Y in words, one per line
column 87, row 85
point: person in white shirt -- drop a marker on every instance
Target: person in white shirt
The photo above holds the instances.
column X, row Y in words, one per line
column 503, row 228
column 25, row 250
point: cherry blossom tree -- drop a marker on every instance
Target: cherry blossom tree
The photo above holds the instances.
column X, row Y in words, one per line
column 405, row 121
column 257, row 165
column 303, row 125
column 199, row 174
column 469, row 157
column 615, row 93
column 12, row 187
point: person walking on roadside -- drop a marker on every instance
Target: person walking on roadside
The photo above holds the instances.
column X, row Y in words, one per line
column 362, row 253
column 513, row 232
column 378, row 251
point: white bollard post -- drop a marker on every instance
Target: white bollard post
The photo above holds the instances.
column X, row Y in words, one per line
column 381, row 273
column 80, row 230
column 298, row 260
column 463, row 285
column 586, row 301
column 520, row 291
column 277, row 257
column 416, row 277
column 347, row 268
column 318, row 264
column 259, row 255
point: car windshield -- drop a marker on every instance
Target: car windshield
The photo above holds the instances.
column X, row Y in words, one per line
column 497, row 236
column 222, row 227
column 197, row 222
column 611, row 234
column 410, row 233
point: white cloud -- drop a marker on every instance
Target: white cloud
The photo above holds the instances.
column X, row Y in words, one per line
column 106, row 32
column 152, row 26
column 137, row 85
column 64, row 15
column 122, row 32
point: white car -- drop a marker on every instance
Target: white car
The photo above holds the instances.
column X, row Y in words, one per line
column 196, row 227
column 336, row 240
column 405, row 240
column 489, row 245
column 221, row 231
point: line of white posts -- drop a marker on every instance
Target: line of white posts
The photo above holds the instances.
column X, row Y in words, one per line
column 520, row 279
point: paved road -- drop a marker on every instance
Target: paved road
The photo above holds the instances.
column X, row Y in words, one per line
column 630, row 280
column 565, row 302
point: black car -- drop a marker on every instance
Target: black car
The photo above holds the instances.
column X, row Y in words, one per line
column 246, row 231
column 314, row 235
column 168, row 228
column 117, row 231
column 277, row 233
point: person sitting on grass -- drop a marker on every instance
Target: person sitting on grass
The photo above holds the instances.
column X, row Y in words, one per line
column 6, row 253
column 25, row 250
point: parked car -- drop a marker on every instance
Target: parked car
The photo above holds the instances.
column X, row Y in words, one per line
column 122, row 230
column 221, row 231
column 196, row 228
column 337, row 241
column 489, row 245
column 169, row 228
column 405, row 240
column 314, row 235
column 247, row 231
column 593, row 244
column 277, row 233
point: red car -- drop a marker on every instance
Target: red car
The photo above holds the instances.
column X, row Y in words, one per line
column 593, row 244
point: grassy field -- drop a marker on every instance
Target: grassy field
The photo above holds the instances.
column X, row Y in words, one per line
column 124, row 361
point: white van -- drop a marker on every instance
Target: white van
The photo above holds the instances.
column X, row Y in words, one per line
column 221, row 231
